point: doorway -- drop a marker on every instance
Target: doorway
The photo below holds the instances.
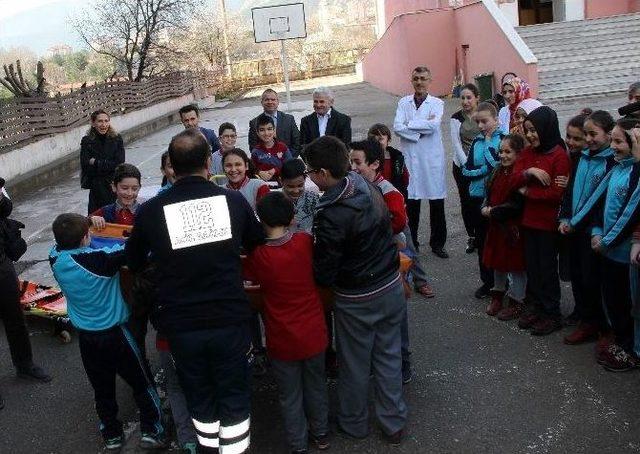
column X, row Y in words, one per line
column 532, row 12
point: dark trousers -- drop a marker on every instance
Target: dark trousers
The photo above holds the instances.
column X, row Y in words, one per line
column 480, row 224
column 586, row 279
column 437, row 221
column 466, row 206
column 100, row 193
column 304, row 401
column 616, row 296
column 12, row 317
column 112, row 352
column 543, row 282
column 213, row 369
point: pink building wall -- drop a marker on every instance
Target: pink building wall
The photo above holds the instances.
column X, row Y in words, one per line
column 415, row 39
column 395, row 8
column 431, row 38
column 597, row 8
column 489, row 48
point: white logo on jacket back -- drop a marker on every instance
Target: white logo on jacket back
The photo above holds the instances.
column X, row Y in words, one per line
column 200, row 221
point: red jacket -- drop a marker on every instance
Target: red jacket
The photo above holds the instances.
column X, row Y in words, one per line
column 293, row 313
column 542, row 203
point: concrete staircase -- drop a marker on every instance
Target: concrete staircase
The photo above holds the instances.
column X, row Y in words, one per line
column 588, row 57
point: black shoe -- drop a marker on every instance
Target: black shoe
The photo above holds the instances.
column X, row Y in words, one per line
column 440, row 252
column 471, row 245
column 483, row 292
column 321, row 442
column 395, row 438
column 34, row 372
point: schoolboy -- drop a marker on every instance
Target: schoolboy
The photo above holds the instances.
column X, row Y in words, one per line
column 126, row 185
column 228, row 138
column 292, row 178
column 355, row 257
column 366, row 158
column 90, row 281
column 270, row 153
column 294, row 322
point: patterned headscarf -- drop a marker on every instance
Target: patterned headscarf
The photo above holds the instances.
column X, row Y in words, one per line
column 528, row 105
column 521, row 91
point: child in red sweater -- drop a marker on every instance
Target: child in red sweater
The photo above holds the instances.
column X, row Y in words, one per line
column 504, row 250
column 535, row 176
column 294, row 322
column 270, row 153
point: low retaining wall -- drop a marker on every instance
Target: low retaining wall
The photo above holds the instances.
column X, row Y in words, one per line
column 39, row 163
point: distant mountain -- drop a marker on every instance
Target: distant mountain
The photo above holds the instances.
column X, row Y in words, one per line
column 41, row 27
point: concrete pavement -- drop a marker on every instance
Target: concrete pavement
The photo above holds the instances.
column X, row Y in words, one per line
column 480, row 385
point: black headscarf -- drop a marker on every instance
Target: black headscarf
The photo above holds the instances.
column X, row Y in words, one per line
column 545, row 121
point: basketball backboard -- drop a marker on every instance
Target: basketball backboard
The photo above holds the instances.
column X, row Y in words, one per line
column 273, row 23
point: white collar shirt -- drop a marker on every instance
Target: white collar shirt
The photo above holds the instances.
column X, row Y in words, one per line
column 323, row 121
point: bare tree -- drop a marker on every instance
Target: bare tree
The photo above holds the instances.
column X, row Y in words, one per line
column 134, row 32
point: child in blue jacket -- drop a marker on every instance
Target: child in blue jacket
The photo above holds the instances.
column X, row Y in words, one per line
column 617, row 201
column 90, row 281
column 483, row 158
column 589, row 169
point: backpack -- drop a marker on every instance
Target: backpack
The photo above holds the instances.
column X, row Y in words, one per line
column 14, row 245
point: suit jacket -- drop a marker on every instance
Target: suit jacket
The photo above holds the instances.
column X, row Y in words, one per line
column 339, row 125
column 286, row 131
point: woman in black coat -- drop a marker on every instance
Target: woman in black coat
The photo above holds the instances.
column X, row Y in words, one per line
column 10, row 311
column 101, row 150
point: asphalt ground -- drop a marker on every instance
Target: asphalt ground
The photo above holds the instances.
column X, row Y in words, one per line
column 479, row 386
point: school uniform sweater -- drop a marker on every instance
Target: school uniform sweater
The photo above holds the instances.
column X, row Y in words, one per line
column 252, row 189
column 616, row 202
column 271, row 158
column 395, row 203
column 483, row 158
column 115, row 213
column 542, row 203
column 588, row 171
column 90, row 281
column 293, row 312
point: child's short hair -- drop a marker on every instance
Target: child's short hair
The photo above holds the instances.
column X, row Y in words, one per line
column 293, row 168
column 380, row 129
column 69, row 229
column 488, row 106
column 516, row 142
column 125, row 170
column 633, row 88
column 264, row 119
column 328, row 153
column 275, row 210
column 224, row 126
column 372, row 151
column 578, row 120
column 602, row 119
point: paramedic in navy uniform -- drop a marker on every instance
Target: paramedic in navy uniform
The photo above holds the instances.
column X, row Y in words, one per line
column 194, row 232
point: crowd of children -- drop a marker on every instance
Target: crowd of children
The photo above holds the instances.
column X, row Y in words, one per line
column 530, row 200
column 539, row 208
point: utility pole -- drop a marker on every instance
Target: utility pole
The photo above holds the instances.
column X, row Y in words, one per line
column 225, row 37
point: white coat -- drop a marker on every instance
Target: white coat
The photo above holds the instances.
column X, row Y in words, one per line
column 422, row 147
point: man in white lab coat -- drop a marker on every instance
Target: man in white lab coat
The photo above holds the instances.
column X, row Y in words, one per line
column 417, row 123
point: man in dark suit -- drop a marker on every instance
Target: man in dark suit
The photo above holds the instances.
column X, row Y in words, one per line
column 286, row 128
column 325, row 120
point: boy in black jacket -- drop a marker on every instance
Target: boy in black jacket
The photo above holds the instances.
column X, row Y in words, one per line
column 355, row 256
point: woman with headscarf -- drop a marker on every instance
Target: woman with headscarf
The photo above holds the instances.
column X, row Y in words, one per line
column 514, row 91
column 534, row 176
